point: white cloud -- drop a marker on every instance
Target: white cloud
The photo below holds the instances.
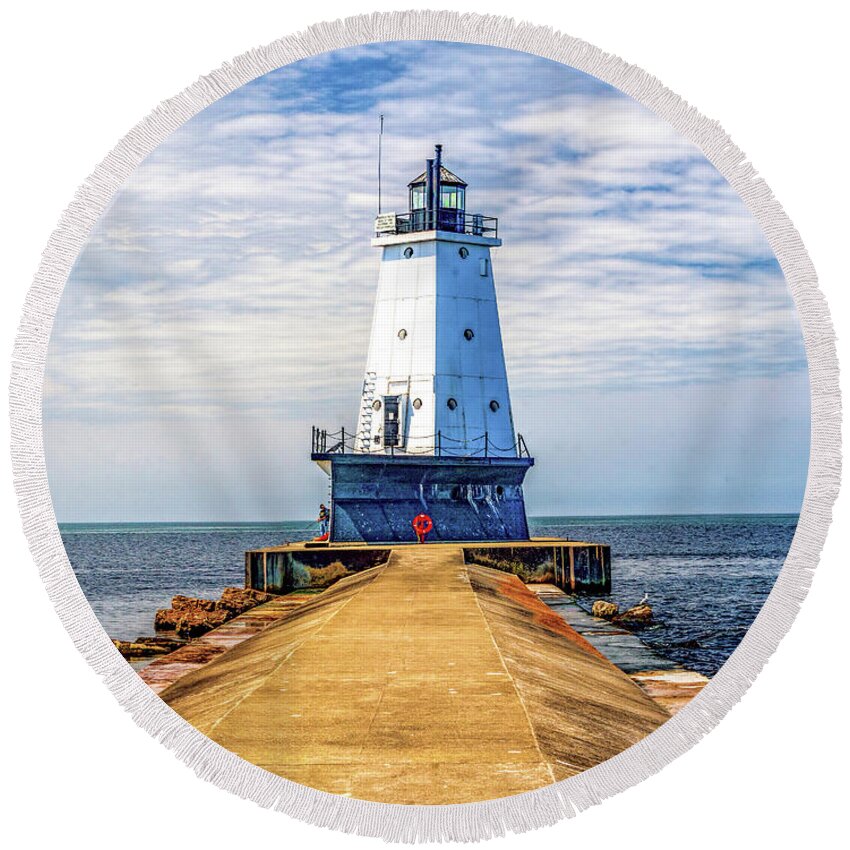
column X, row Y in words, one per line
column 233, row 272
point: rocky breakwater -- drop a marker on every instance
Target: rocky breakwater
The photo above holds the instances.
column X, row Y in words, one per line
column 147, row 647
column 189, row 617
column 636, row 617
column 252, row 612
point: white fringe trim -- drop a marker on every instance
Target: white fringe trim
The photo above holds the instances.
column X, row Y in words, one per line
column 471, row 821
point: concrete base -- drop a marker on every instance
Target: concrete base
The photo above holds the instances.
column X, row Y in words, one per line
column 375, row 497
column 575, row 567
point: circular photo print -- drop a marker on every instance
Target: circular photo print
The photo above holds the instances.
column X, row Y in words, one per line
column 426, row 423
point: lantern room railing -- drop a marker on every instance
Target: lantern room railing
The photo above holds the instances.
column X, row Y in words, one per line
column 446, row 220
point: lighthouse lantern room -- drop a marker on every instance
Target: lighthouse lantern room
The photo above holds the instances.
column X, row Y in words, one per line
column 435, row 430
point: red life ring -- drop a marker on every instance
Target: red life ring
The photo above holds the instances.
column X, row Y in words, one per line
column 422, row 524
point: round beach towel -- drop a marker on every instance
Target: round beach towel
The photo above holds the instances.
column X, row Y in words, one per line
column 432, row 435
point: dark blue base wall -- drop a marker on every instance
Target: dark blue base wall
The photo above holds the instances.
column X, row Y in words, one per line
column 375, row 498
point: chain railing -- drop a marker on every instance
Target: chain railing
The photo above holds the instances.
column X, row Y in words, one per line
column 345, row 442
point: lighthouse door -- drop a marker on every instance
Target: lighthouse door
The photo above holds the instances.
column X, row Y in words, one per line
column 391, row 420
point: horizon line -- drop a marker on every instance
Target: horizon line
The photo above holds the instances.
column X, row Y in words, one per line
column 530, row 517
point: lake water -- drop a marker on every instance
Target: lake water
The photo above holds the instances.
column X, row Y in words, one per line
column 706, row 576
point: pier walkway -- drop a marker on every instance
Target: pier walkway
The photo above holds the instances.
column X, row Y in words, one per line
column 424, row 680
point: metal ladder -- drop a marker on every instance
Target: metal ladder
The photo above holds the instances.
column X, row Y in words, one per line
column 364, row 431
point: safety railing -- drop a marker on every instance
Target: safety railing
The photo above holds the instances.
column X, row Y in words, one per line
column 345, row 442
column 451, row 221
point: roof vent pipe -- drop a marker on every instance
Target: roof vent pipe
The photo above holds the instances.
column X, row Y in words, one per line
column 438, row 163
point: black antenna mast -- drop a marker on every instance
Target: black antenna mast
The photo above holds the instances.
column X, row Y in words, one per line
column 380, row 138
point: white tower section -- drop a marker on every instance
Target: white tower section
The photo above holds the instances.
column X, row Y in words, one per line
column 435, row 376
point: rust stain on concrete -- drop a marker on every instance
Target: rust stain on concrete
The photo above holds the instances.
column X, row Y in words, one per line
column 542, row 614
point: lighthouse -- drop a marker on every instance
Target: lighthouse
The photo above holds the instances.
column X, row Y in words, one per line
column 435, row 429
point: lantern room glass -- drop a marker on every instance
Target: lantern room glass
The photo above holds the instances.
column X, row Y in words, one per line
column 451, row 197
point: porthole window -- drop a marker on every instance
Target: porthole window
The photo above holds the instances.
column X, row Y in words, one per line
column 402, row 334
column 468, row 334
column 464, row 253
column 494, row 405
column 408, row 252
column 417, row 403
column 451, row 404
column 376, row 404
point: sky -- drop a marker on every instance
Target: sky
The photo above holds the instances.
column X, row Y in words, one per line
column 222, row 304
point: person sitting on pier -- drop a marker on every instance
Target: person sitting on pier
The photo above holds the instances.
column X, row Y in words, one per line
column 324, row 519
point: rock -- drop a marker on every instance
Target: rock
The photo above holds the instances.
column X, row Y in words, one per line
column 191, row 617
column 637, row 616
column 169, row 643
column 166, row 619
column 608, row 610
column 257, row 596
column 189, row 603
column 237, row 600
column 130, row 649
column 193, row 623
column 233, row 608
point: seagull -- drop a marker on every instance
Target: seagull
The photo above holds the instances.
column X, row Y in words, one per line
column 645, row 599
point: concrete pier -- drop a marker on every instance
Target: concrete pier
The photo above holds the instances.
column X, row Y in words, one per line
column 426, row 679
column 574, row 566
